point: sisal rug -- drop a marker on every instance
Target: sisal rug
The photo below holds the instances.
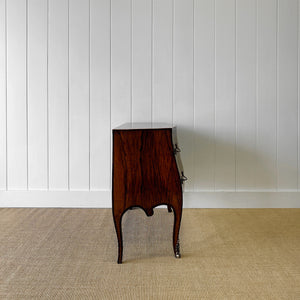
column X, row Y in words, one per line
column 226, row 254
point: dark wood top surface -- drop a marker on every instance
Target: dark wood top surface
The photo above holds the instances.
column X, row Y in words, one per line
column 137, row 126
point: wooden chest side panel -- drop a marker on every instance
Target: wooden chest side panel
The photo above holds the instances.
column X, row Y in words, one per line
column 145, row 173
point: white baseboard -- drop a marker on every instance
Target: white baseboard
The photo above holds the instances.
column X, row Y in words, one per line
column 247, row 199
column 80, row 199
column 102, row 199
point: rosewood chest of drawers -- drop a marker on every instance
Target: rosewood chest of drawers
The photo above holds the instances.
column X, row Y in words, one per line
column 145, row 174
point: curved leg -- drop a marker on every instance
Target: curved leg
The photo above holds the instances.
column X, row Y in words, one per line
column 118, row 226
column 177, row 220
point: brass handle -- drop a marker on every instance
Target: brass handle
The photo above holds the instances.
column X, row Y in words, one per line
column 183, row 178
column 176, row 149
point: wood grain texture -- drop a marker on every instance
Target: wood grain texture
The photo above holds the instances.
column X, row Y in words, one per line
column 145, row 175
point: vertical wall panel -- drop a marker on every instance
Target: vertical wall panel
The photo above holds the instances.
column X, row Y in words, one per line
column 298, row 95
column 184, row 83
column 79, row 56
column 204, row 94
column 162, row 102
column 100, row 94
column 58, row 94
column 121, row 64
column 2, row 94
column 266, row 175
column 246, row 49
column 37, row 95
column 16, row 94
column 225, row 95
column 141, row 60
column 287, row 101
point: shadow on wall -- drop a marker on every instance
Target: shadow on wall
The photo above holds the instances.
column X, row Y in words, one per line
column 222, row 164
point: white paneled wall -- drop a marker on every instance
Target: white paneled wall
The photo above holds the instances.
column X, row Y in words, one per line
column 36, row 95
column 225, row 72
column 58, row 95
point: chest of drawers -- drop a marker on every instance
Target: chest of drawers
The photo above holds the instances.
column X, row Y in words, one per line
column 145, row 174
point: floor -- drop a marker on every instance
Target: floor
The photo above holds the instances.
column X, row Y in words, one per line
column 226, row 254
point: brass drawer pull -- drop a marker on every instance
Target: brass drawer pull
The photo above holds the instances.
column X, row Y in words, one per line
column 176, row 149
column 183, row 178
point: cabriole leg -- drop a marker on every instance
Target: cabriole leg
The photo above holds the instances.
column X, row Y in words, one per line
column 177, row 220
column 118, row 223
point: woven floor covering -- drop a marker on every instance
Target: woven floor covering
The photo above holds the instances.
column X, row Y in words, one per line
column 226, row 254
